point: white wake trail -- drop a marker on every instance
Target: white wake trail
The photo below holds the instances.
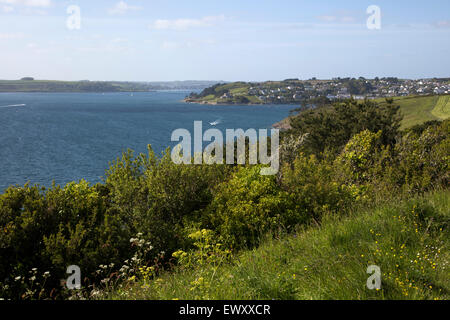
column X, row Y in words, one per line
column 13, row 105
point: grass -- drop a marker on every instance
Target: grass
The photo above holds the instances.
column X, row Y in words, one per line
column 408, row 241
column 442, row 108
column 420, row 109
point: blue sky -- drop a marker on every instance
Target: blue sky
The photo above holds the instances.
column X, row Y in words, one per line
column 250, row 40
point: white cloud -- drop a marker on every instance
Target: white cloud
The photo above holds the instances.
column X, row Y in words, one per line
column 28, row 3
column 170, row 45
column 184, row 24
column 443, row 24
column 337, row 18
column 6, row 9
column 119, row 40
column 9, row 36
column 194, row 43
column 122, row 7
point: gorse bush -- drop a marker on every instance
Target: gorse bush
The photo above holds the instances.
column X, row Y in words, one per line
column 314, row 190
column 423, row 159
column 247, row 206
column 156, row 197
column 52, row 229
column 333, row 160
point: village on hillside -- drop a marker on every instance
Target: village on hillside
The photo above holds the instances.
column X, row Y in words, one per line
column 294, row 90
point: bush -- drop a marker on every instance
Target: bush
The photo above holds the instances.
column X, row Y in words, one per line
column 330, row 128
column 158, row 198
column 313, row 189
column 423, row 159
column 49, row 230
column 359, row 157
column 246, row 207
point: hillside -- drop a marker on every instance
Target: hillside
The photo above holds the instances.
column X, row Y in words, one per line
column 313, row 91
column 408, row 241
column 415, row 110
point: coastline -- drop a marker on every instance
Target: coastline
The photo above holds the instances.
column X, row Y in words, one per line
column 222, row 103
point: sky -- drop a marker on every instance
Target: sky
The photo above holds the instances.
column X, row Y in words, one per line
column 232, row 40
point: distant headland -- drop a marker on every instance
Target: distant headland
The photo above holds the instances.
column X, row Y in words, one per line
column 29, row 84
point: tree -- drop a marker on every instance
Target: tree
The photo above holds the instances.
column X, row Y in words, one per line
column 330, row 128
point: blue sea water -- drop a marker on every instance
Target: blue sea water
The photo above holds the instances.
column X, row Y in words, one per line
column 71, row 136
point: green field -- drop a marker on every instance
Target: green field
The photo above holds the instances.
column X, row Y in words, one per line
column 329, row 262
column 442, row 108
column 419, row 109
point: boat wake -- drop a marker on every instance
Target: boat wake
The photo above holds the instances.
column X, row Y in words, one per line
column 215, row 123
column 13, row 105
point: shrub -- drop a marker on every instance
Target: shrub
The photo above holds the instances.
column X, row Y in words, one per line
column 49, row 230
column 330, row 128
column 423, row 159
column 314, row 191
column 359, row 156
column 157, row 197
column 246, row 207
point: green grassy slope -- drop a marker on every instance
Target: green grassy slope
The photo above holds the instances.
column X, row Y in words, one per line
column 408, row 241
column 419, row 109
column 442, row 108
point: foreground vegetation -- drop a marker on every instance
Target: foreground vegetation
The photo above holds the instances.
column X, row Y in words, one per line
column 152, row 221
column 408, row 241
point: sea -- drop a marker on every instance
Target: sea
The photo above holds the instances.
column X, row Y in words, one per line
column 66, row 137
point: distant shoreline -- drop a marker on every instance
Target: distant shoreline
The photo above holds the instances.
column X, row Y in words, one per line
column 50, row 86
